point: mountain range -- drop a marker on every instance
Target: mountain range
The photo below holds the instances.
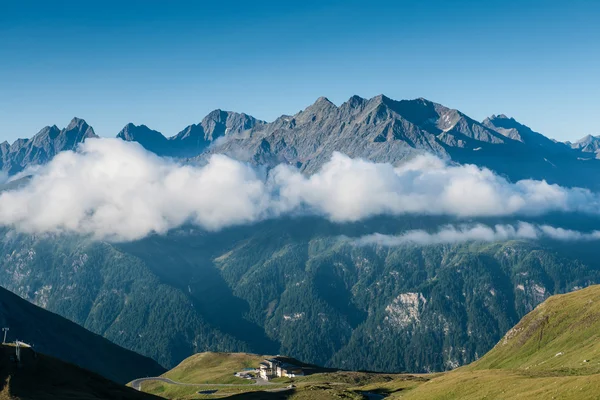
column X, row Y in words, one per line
column 299, row 286
column 42, row 147
column 292, row 286
column 378, row 129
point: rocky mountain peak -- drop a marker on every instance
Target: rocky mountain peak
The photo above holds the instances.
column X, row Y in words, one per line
column 587, row 139
column 76, row 123
column 217, row 115
column 355, row 101
column 587, row 144
column 495, row 117
column 44, row 145
column 321, row 105
column 131, row 132
column 150, row 139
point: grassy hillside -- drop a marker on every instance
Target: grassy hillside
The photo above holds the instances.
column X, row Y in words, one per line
column 40, row 377
column 213, row 367
column 561, row 336
column 213, row 372
column 553, row 353
column 56, row 336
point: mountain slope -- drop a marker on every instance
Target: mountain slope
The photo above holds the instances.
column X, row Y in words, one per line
column 40, row 377
column 560, row 336
column 553, row 352
column 43, row 146
column 297, row 287
column 59, row 337
column 514, row 130
column 115, row 294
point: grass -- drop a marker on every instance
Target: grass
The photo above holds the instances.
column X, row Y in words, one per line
column 557, row 337
column 500, row 384
column 214, row 368
column 190, row 392
column 218, row 368
column 552, row 353
column 208, row 369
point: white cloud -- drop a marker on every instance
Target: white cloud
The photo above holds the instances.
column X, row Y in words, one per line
column 450, row 234
column 568, row 234
column 453, row 234
column 116, row 190
column 350, row 190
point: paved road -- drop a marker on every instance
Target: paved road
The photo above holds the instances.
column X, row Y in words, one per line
column 137, row 384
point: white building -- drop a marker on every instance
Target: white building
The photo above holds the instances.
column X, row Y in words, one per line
column 274, row 368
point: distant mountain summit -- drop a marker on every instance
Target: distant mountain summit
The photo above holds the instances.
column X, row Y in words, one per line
column 192, row 140
column 588, row 144
column 43, row 146
column 152, row 140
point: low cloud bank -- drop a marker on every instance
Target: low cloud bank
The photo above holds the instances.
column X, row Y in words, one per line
column 115, row 190
column 451, row 234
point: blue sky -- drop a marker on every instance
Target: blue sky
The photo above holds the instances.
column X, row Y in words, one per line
column 167, row 64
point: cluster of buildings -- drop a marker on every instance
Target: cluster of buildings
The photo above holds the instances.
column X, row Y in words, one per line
column 275, row 368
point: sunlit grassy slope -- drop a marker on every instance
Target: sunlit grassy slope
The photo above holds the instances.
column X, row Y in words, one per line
column 214, row 371
column 552, row 353
column 213, row 368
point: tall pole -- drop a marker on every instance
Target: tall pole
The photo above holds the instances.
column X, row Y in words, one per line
column 5, row 330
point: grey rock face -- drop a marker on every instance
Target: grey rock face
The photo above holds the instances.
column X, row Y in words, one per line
column 384, row 130
column 514, row 130
column 43, row 146
column 377, row 129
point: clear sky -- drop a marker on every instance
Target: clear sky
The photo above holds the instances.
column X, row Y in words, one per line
column 168, row 63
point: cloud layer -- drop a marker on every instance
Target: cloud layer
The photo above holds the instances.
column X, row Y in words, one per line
column 116, row 190
column 451, row 234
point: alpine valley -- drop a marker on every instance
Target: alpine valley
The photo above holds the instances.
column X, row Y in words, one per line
column 299, row 285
